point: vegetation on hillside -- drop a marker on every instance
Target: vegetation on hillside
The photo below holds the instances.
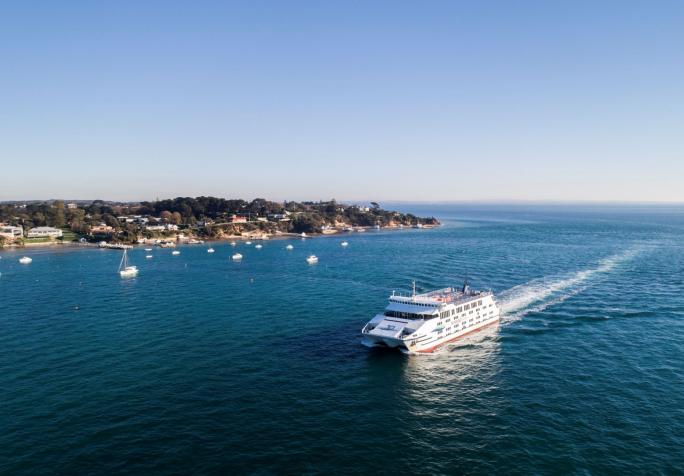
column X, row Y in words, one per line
column 201, row 216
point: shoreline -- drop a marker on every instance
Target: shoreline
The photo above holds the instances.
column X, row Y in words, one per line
column 229, row 238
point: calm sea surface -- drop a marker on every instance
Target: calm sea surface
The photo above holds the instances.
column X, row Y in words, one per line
column 201, row 365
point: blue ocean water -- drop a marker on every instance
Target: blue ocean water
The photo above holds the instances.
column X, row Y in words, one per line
column 201, row 365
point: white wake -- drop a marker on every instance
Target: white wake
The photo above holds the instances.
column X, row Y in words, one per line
column 539, row 294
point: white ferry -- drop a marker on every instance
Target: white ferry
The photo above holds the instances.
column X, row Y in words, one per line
column 421, row 323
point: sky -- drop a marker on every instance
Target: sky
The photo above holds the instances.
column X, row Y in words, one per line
column 353, row 100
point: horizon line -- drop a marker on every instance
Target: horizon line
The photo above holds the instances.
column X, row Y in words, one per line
column 516, row 201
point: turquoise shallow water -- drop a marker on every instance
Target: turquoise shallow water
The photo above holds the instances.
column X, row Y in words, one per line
column 203, row 365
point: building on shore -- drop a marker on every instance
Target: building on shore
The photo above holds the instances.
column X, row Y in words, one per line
column 11, row 232
column 166, row 227
column 102, row 228
column 237, row 219
column 44, row 232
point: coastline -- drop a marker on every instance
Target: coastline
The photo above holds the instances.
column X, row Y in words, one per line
column 248, row 236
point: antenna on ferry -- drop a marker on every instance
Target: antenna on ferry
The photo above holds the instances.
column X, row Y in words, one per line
column 414, row 289
column 466, row 284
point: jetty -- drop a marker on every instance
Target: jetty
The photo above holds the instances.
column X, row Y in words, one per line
column 114, row 246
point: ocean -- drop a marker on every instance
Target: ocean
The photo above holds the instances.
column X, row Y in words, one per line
column 202, row 365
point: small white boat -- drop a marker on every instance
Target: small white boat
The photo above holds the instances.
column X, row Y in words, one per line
column 289, row 247
column 126, row 270
column 25, row 260
column 237, row 257
column 148, row 256
column 344, row 244
column 232, row 243
column 258, row 247
column 210, row 250
column 248, row 242
column 175, row 252
column 148, row 249
column 312, row 259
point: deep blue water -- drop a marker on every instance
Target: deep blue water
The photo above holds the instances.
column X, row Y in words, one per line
column 205, row 366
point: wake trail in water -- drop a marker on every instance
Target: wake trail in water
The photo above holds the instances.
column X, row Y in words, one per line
column 539, row 294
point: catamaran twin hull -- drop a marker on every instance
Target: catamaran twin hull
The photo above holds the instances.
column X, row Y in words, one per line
column 424, row 322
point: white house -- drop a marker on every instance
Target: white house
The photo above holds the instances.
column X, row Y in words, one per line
column 167, row 227
column 11, row 232
column 44, row 232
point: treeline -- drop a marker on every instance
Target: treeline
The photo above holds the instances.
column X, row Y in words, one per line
column 211, row 207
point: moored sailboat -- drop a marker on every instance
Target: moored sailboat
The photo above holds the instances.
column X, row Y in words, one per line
column 127, row 270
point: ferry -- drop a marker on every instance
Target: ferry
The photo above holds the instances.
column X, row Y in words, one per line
column 421, row 323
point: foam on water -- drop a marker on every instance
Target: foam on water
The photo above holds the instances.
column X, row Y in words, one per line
column 542, row 293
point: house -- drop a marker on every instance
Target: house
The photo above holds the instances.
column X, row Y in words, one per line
column 102, row 228
column 44, row 232
column 279, row 216
column 237, row 219
column 71, row 206
column 167, row 227
column 11, row 232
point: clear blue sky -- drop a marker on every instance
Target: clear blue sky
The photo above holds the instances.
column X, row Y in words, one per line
column 357, row 100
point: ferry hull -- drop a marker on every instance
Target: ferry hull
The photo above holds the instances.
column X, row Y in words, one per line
column 373, row 341
column 435, row 347
column 408, row 346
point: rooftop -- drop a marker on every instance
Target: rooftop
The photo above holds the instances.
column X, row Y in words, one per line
column 440, row 296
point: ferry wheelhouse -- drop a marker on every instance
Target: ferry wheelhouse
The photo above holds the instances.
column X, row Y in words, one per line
column 421, row 323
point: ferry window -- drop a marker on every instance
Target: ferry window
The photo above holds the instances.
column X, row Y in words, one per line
column 479, row 303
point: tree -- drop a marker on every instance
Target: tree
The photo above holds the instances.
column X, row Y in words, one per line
column 39, row 219
column 110, row 220
column 166, row 216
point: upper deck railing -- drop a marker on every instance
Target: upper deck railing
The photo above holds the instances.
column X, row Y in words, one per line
column 440, row 296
